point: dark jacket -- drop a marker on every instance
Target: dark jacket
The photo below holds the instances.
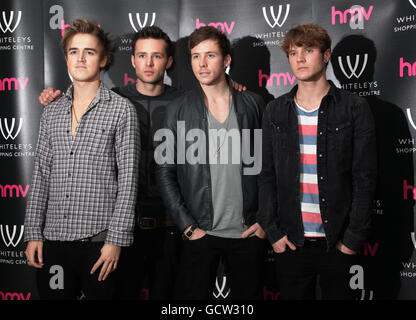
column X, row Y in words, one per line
column 186, row 188
column 346, row 168
column 151, row 112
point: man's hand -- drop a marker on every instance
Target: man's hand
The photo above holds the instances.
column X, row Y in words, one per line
column 341, row 247
column 109, row 259
column 280, row 245
column 32, row 248
column 48, row 95
column 256, row 229
column 197, row 234
column 237, row 86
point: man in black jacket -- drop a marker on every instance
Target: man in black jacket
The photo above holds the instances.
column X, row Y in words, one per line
column 209, row 184
column 318, row 174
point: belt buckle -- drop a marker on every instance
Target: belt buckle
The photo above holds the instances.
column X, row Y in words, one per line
column 147, row 223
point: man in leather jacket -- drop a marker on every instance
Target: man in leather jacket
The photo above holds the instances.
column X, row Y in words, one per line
column 213, row 204
column 318, row 174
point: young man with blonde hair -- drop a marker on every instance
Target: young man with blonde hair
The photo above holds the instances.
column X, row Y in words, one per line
column 80, row 212
column 318, row 174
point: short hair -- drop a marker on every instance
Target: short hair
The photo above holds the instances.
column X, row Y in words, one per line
column 153, row 32
column 87, row 27
column 209, row 32
column 308, row 35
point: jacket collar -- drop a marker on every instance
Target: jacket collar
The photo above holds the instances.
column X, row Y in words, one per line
column 201, row 105
column 333, row 92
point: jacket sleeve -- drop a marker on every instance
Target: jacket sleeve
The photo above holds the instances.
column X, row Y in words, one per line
column 364, row 175
column 167, row 168
column 268, row 206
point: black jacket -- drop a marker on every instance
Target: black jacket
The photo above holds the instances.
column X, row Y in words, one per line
column 186, row 188
column 151, row 112
column 346, row 165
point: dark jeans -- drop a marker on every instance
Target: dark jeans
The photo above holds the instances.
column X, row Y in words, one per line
column 67, row 271
column 151, row 262
column 298, row 272
column 243, row 260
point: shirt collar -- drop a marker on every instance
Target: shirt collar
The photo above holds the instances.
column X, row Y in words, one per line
column 103, row 94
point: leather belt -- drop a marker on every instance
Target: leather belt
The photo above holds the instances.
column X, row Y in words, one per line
column 149, row 223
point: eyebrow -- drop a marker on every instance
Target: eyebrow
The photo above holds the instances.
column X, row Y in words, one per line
column 91, row 49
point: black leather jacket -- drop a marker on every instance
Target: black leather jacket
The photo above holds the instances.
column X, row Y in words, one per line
column 346, row 164
column 186, row 188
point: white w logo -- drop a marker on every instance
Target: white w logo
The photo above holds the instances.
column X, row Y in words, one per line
column 412, row 3
column 353, row 69
column 11, row 239
column 412, row 234
column 7, row 131
column 142, row 25
column 409, row 116
column 276, row 19
column 8, row 22
column 221, row 290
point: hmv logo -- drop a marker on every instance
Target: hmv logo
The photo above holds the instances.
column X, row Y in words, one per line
column 14, row 296
column 10, row 191
column 10, row 130
column 11, row 238
column 353, row 71
column 8, row 23
column 276, row 78
column 223, row 26
column 139, row 20
column 13, row 84
column 278, row 20
column 355, row 13
column 411, row 68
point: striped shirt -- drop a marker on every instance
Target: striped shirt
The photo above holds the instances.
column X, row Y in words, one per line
column 311, row 214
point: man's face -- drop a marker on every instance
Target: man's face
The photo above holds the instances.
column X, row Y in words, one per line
column 83, row 58
column 150, row 60
column 208, row 63
column 308, row 63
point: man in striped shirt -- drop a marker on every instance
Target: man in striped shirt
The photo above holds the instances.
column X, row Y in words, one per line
column 318, row 173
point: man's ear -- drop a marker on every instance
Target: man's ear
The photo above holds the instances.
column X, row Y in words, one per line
column 170, row 61
column 103, row 61
column 132, row 62
column 327, row 55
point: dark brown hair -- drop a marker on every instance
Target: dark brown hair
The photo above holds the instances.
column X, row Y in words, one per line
column 308, row 35
column 209, row 32
column 153, row 32
column 87, row 27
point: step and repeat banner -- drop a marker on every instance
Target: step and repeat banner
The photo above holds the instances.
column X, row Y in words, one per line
column 374, row 55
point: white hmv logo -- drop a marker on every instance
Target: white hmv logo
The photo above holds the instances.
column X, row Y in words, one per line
column 276, row 19
column 139, row 21
column 7, row 131
column 351, row 68
column 11, row 239
column 412, row 3
column 221, row 292
column 8, row 21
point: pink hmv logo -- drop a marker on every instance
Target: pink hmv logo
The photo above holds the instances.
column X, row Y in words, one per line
column 223, row 26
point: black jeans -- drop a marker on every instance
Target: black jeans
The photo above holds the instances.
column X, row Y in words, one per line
column 298, row 272
column 67, row 272
column 150, row 263
column 243, row 260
